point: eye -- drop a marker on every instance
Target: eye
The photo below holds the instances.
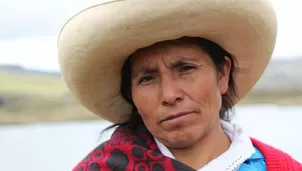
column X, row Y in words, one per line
column 146, row 79
column 186, row 68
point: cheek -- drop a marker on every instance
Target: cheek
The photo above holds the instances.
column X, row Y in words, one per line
column 146, row 104
column 210, row 100
column 205, row 92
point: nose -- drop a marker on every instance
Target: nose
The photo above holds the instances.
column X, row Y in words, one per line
column 171, row 92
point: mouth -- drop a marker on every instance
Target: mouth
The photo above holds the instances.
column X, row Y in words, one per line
column 178, row 115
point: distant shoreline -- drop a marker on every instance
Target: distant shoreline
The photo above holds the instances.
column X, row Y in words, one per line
column 78, row 113
column 29, row 96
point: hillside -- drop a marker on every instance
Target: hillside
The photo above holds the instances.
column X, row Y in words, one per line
column 32, row 96
column 282, row 74
column 279, row 74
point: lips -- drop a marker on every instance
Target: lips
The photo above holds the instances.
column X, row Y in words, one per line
column 173, row 116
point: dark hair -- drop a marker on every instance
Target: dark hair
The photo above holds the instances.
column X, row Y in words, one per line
column 217, row 54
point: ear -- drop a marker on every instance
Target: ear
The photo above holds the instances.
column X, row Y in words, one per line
column 223, row 81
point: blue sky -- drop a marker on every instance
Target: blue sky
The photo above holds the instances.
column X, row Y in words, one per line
column 29, row 29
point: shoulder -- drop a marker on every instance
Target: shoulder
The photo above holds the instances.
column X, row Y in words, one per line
column 104, row 157
column 275, row 158
column 93, row 161
column 120, row 152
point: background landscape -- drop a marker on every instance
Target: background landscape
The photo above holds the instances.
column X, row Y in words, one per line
column 28, row 96
column 42, row 126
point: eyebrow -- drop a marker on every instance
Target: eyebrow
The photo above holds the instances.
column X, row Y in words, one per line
column 181, row 60
column 144, row 70
column 191, row 58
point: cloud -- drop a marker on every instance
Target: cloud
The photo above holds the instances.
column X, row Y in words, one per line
column 289, row 28
column 36, row 17
column 34, row 52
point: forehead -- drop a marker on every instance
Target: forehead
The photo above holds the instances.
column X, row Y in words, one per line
column 168, row 51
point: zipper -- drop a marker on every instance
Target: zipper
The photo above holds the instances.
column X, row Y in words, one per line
column 234, row 166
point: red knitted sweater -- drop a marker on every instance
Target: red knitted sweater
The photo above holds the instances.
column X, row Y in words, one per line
column 275, row 159
column 137, row 150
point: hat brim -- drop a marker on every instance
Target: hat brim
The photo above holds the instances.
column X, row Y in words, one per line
column 94, row 44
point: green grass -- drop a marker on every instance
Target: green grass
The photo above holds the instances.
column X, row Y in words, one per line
column 44, row 98
column 31, row 84
column 39, row 109
column 37, row 98
column 281, row 97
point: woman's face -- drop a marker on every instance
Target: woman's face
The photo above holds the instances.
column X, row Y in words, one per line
column 177, row 92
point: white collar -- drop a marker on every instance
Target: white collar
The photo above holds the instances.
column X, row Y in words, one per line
column 241, row 149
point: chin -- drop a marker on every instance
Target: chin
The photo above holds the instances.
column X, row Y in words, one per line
column 183, row 137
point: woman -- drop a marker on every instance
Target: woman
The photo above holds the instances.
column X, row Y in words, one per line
column 167, row 73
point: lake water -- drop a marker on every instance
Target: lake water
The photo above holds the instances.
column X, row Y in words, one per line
column 59, row 146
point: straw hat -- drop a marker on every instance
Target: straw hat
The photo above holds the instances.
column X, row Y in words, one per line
column 94, row 44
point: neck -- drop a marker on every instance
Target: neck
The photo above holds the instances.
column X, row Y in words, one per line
column 210, row 146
